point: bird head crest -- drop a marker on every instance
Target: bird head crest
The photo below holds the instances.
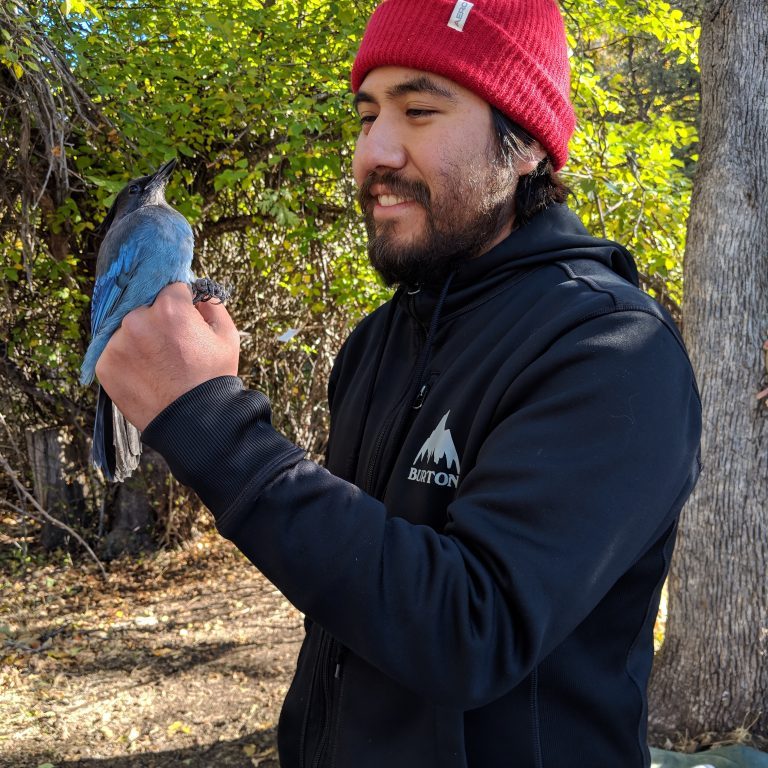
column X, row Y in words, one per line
column 145, row 190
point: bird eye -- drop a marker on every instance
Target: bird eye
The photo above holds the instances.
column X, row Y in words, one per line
column 134, row 189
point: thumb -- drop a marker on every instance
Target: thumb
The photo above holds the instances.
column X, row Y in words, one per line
column 216, row 315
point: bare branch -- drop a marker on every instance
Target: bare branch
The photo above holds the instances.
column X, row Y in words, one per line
column 27, row 496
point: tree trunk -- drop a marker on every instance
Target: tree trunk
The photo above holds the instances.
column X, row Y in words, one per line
column 58, row 487
column 711, row 674
column 148, row 510
column 134, row 506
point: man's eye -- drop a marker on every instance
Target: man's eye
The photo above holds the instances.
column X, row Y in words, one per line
column 420, row 112
column 367, row 119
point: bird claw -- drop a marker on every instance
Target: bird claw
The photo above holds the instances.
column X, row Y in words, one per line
column 205, row 289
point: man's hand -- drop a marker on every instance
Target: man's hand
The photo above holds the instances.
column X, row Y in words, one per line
column 161, row 352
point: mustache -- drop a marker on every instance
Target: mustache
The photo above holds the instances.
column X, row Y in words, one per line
column 396, row 185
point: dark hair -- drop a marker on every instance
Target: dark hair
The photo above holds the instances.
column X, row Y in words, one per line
column 536, row 191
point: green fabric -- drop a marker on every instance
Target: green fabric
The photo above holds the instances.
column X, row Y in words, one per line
column 722, row 757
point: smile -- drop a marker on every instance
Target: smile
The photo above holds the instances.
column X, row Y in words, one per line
column 387, row 201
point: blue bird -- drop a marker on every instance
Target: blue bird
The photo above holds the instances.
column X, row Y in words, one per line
column 147, row 245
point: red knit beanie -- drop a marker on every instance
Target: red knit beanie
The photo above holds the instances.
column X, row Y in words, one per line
column 512, row 53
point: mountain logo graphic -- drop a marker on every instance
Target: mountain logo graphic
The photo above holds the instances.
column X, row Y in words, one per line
column 440, row 451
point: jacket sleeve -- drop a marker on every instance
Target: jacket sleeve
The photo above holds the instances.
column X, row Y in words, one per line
column 591, row 456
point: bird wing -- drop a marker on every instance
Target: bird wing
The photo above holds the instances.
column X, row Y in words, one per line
column 155, row 241
column 111, row 285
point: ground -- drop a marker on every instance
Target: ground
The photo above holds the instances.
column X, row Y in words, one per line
column 180, row 659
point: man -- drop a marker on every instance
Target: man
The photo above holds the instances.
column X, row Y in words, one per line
column 513, row 435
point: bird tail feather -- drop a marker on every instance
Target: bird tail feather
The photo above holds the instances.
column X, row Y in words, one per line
column 127, row 441
column 116, row 449
column 101, row 449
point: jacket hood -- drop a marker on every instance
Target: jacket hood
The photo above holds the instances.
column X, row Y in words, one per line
column 556, row 234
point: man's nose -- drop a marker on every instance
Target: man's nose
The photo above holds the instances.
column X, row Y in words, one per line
column 381, row 148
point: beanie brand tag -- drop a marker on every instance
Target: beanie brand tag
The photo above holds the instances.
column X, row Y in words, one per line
column 460, row 14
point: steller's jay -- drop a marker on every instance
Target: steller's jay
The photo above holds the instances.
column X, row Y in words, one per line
column 147, row 245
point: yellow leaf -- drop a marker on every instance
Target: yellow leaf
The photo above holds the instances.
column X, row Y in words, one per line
column 61, row 655
column 177, row 726
column 18, row 70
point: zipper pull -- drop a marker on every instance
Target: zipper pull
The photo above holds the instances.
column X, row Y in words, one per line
column 421, row 397
column 339, row 659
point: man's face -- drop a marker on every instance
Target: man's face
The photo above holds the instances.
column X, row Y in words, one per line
column 433, row 188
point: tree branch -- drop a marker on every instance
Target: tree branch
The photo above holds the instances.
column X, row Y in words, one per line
column 25, row 494
column 59, row 404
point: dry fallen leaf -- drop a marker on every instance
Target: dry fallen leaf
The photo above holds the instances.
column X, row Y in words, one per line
column 258, row 759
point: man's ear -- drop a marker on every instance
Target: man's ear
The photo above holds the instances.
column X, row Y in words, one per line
column 531, row 163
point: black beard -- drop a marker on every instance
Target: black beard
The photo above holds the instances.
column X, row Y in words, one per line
column 449, row 239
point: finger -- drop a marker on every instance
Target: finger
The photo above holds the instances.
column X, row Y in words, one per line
column 175, row 292
column 173, row 304
column 214, row 313
column 221, row 324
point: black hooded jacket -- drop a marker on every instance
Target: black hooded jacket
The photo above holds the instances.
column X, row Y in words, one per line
column 481, row 561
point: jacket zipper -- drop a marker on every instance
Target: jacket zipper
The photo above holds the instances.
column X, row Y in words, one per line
column 330, row 676
column 381, row 439
column 401, row 410
column 310, row 696
column 534, row 703
column 327, row 702
column 421, row 397
column 330, row 672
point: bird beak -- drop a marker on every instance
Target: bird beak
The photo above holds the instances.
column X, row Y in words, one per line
column 161, row 176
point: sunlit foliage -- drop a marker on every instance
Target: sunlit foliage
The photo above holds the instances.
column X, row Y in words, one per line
column 253, row 98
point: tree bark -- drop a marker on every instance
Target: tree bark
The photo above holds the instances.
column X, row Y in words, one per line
column 148, row 510
column 58, row 488
column 134, row 507
column 711, row 675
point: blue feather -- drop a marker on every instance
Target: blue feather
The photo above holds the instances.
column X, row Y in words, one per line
column 110, row 286
column 141, row 254
column 147, row 246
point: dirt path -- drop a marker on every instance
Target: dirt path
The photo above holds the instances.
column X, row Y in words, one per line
column 182, row 659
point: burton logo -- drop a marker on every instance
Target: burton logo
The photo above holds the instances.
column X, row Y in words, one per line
column 439, row 451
